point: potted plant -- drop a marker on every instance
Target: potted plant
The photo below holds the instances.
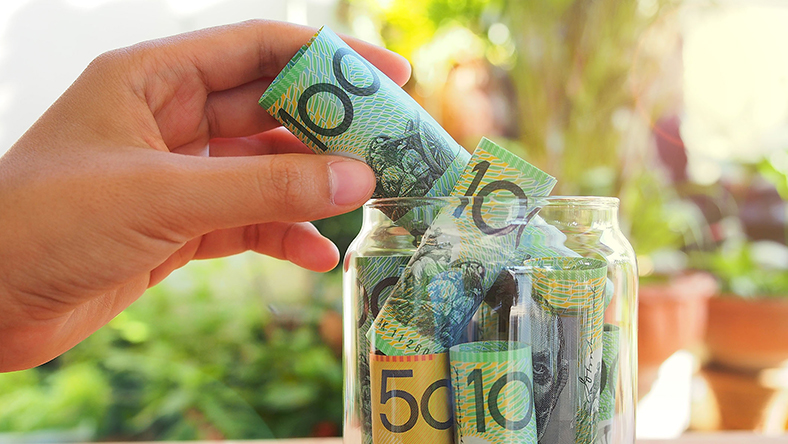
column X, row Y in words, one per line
column 748, row 320
column 747, row 335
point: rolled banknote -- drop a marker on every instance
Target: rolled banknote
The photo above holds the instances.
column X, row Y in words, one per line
column 493, row 392
column 607, row 404
column 540, row 239
column 492, row 319
column 461, row 254
column 377, row 275
column 338, row 103
column 411, row 399
column 566, row 320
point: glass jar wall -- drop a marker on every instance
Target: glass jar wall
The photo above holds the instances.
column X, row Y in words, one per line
column 517, row 326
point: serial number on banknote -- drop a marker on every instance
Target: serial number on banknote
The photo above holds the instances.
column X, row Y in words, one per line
column 409, row 343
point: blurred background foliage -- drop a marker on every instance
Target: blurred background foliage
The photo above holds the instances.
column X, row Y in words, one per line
column 245, row 347
column 590, row 91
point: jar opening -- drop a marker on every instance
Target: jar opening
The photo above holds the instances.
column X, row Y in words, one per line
column 589, row 202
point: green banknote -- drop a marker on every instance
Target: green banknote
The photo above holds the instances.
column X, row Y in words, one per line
column 607, row 405
column 493, row 392
column 461, row 254
column 492, row 319
column 377, row 276
column 338, row 103
column 566, row 321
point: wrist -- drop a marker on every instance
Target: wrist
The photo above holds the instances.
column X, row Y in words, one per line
column 26, row 341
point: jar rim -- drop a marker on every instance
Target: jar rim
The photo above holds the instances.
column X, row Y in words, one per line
column 599, row 202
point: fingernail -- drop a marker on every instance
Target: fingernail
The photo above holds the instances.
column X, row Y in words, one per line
column 351, row 181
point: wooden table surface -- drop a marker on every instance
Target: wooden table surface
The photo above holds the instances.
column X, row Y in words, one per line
column 712, row 438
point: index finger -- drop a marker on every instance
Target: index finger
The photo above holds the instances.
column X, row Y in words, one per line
column 232, row 55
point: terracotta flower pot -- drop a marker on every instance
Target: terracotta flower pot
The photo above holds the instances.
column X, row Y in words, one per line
column 749, row 400
column 672, row 316
column 748, row 334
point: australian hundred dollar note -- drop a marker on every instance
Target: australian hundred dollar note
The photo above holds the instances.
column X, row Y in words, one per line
column 336, row 102
column 461, row 254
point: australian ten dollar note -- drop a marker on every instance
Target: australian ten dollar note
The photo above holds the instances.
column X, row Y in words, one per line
column 461, row 254
column 493, row 392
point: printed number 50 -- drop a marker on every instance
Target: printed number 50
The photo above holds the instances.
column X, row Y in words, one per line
column 413, row 416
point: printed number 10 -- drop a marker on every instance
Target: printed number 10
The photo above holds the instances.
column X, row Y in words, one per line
column 492, row 187
column 493, row 400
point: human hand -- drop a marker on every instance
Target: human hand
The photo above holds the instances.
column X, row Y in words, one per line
column 100, row 199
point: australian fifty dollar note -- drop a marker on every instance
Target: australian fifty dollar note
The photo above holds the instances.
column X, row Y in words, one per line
column 377, row 275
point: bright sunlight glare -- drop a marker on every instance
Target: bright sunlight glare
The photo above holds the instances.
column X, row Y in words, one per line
column 736, row 83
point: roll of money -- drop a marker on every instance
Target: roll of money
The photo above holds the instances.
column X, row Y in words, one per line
column 376, row 277
column 336, row 102
column 607, row 404
column 566, row 317
column 491, row 320
column 461, row 254
column 411, row 399
column 493, row 392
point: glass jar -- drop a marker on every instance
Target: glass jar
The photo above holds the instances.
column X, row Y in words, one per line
column 518, row 326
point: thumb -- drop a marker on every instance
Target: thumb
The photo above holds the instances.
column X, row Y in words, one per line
column 206, row 194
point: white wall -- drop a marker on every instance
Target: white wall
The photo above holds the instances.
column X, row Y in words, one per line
column 45, row 44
